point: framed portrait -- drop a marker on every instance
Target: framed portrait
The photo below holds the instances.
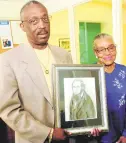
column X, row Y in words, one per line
column 6, row 42
column 64, row 43
column 79, row 97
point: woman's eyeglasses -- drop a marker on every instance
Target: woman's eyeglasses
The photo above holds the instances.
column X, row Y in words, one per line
column 110, row 48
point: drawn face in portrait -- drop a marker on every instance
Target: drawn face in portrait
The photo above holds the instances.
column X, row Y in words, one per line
column 77, row 87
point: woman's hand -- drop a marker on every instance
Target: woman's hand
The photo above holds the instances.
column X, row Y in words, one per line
column 122, row 139
column 95, row 132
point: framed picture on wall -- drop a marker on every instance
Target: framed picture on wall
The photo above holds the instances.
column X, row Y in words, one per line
column 64, row 43
column 79, row 98
column 5, row 34
column 6, row 42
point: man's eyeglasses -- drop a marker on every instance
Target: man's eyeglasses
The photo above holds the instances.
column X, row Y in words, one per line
column 111, row 48
column 36, row 20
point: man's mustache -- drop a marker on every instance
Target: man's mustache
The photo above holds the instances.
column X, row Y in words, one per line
column 42, row 32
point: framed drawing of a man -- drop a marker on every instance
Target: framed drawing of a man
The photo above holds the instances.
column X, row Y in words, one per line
column 80, row 101
column 79, row 97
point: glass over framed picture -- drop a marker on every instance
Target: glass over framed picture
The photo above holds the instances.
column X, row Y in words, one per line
column 79, row 97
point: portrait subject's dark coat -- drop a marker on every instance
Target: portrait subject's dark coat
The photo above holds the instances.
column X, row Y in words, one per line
column 81, row 107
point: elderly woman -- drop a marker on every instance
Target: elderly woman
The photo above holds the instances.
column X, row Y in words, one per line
column 105, row 50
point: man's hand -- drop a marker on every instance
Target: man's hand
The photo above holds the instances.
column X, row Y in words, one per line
column 95, row 132
column 60, row 134
column 122, row 139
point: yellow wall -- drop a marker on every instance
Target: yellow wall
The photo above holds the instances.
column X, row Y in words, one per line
column 59, row 27
column 124, row 45
column 88, row 12
column 124, row 35
column 93, row 12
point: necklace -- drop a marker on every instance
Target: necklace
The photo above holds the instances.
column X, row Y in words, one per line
column 46, row 69
column 109, row 69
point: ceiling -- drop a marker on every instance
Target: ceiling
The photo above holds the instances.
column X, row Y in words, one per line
column 52, row 6
column 44, row 1
column 53, row 0
column 109, row 1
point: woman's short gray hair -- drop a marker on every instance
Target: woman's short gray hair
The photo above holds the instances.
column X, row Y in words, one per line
column 100, row 36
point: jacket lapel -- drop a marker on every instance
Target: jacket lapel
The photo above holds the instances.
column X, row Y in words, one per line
column 57, row 55
column 34, row 70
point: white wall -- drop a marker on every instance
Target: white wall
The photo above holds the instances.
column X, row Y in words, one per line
column 10, row 10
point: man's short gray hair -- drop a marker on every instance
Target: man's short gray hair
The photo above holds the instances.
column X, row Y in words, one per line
column 29, row 3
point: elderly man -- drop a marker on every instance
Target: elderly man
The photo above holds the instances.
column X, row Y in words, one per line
column 25, row 80
column 81, row 105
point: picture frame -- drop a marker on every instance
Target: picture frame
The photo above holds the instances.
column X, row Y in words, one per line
column 64, row 43
column 79, row 97
column 6, row 42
